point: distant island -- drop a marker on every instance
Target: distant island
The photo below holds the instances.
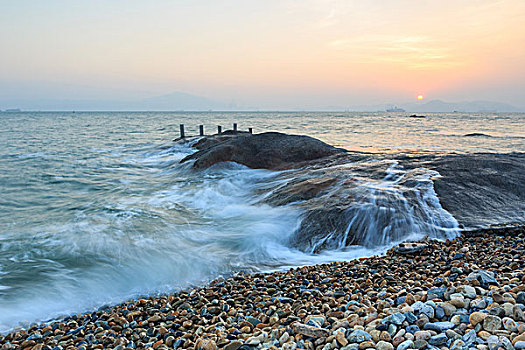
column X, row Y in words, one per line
column 180, row 101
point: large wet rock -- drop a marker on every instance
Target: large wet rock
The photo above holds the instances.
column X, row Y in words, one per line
column 269, row 150
column 350, row 198
column 481, row 189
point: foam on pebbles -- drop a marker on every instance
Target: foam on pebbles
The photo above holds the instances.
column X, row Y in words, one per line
column 419, row 296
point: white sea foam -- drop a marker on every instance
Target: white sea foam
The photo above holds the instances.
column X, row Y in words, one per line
column 194, row 226
column 91, row 215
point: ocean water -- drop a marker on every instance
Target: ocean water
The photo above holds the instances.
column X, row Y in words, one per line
column 96, row 208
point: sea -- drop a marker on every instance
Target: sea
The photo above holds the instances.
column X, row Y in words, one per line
column 96, row 208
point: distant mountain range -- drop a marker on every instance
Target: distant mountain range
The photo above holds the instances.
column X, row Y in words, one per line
column 179, row 101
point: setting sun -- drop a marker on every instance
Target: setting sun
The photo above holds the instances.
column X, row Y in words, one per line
column 420, row 97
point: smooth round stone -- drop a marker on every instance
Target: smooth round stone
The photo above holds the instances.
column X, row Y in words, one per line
column 358, row 336
column 340, row 338
column 405, row 345
column 320, row 319
column 455, row 319
column 234, row 345
column 350, row 347
column 459, row 302
column 467, row 291
column 520, row 337
column 422, row 321
column 284, row 338
column 452, row 335
column 484, row 335
column 521, row 328
column 400, row 333
column 509, row 324
column 519, row 345
column 383, row 345
column 478, row 304
column 392, row 329
column 397, row 340
column 289, row 346
column 410, row 317
column 427, row 310
column 366, row 345
column 448, row 308
column 493, row 342
column 439, row 326
column 508, row 309
column 381, row 327
column 457, row 344
column 422, row 335
column 520, row 298
column 438, row 339
column 375, row 334
column 492, row 323
column 506, row 342
column 477, row 317
column 439, row 292
column 412, row 329
column 420, row 344
column 439, row 312
column 469, row 337
column 253, row 341
column 518, row 314
column 385, row 336
column 397, row 318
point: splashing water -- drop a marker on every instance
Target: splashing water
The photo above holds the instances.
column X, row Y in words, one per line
column 94, row 212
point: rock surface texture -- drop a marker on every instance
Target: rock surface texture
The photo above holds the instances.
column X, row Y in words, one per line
column 269, row 150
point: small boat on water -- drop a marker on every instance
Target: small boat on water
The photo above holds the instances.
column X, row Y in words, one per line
column 395, row 109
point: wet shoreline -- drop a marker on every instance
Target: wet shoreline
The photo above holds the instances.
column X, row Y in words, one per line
column 463, row 293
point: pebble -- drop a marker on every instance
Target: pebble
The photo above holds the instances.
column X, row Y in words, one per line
column 421, row 300
column 519, row 345
column 438, row 339
column 358, row 336
column 439, row 326
column 405, row 345
column 477, row 317
column 491, row 323
column 383, row 345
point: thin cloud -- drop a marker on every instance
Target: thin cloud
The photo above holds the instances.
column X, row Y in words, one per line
column 416, row 52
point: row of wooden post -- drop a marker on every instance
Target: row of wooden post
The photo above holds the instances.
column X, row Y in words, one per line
column 201, row 130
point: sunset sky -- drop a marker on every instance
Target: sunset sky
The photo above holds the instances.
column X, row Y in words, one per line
column 265, row 53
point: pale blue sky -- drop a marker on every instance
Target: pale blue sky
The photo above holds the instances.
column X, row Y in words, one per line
column 264, row 53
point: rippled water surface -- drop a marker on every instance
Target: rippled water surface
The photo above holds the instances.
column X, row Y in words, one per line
column 96, row 208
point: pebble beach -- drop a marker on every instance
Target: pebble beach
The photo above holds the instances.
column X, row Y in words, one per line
column 466, row 293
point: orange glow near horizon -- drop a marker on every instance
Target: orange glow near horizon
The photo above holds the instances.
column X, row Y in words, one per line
column 267, row 54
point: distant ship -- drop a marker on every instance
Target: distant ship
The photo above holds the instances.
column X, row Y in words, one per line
column 395, row 109
column 13, row 110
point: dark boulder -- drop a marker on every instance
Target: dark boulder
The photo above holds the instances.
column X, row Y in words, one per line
column 270, row 150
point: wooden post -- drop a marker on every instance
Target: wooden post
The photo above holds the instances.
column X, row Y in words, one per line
column 182, row 131
column 234, row 126
column 250, row 130
column 201, row 130
column 219, row 129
